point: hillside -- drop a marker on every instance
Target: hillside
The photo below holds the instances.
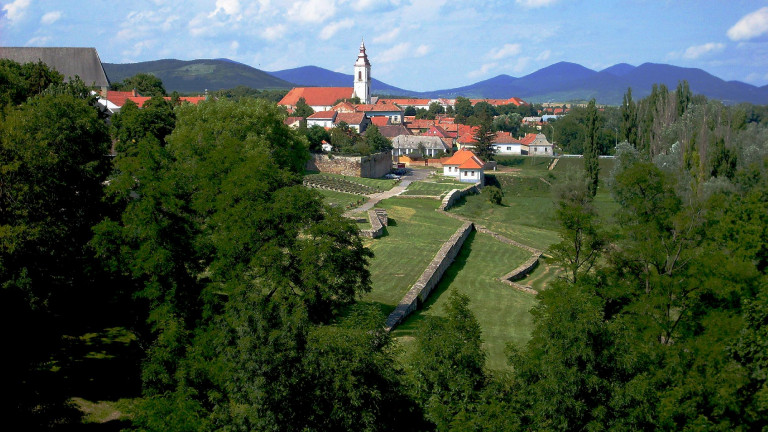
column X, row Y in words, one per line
column 559, row 82
column 198, row 75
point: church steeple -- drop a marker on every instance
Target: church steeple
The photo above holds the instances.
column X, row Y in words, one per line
column 363, row 76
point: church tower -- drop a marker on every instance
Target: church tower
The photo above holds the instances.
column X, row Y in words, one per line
column 363, row 76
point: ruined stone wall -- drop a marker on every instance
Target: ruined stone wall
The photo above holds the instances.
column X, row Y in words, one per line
column 373, row 166
column 430, row 278
column 456, row 194
column 378, row 219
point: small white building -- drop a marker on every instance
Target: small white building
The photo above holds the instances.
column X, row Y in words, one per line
column 406, row 144
column 323, row 119
column 465, row 166
column 540, row 146
column 506, row 144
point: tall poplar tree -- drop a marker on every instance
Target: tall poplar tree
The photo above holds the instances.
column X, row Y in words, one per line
column 592, row 148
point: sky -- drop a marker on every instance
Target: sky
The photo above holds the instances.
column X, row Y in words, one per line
column 412, row 44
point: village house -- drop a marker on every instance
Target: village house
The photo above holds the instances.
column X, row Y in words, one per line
column 505, row 144
column 538, row 145
column 426, row 146
column 465, row 166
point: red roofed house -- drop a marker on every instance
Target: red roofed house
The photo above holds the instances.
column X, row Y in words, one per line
column 380, row 121
column 506, row 144
column 319, row 98
column 538, row 144
column 357, row 121
column 293, row 122
column 465, row 167
column 324, row 119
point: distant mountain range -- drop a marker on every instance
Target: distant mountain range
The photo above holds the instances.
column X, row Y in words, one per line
column 560, row 82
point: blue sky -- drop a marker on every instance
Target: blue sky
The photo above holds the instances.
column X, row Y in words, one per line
column 413, row 44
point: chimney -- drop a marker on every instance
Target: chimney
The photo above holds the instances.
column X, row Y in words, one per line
column 133, row 92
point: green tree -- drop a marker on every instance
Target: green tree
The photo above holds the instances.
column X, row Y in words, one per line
column 145, row 84
column 302, row 109
column 464, row 109
column 316, row 135
column 448, row 364
column 409, row 111
column 581, row 241
column 52, row 165
column 375, row 140
column 494, row 194
column 132, row 124
column 484, row 136
column 592, row 148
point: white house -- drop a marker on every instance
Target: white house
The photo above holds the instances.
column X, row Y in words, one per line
column 540, row 146
column 506, row 144
column 465, row 167
column 323, row 119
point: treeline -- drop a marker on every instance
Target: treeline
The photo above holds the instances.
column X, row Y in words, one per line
column 240, row 285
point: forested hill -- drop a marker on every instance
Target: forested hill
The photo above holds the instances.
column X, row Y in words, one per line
column 560, row 82
column 198, row 75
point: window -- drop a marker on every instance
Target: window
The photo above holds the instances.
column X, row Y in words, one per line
column 359, row 75
column 509, row 148
column 472, row 174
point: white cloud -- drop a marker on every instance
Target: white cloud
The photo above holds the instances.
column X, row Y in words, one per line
column 401, row 51
column 333, row 28
column 229, row 7
column 388, row 36
column 508, row 50
column 484, row 69
column 534, row 4
column 544, row 55
column 15, row 11
column 50, row 18
column 312, row 11
column 521, row 64
column 750, row 26
column 275, row 32
column 234, row 45
column 694, row 52
column 39, row 41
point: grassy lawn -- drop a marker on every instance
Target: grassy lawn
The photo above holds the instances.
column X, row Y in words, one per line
column 503, row 313
column 542, row 275
column 433, row 188
column 380, row 184
column 341, row 200
column 414, row 235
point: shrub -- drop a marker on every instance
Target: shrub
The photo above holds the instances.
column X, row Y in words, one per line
column 493, row 194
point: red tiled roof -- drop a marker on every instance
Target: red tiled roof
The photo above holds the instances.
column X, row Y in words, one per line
column 350, row 118
column 467, row 138
column 118, row 97
column 528, row 138
column 459, row 157
column 391, row 131
column 141, row 100
column 316, row 96
column 407, row 102
column 380, row 120
column 344, row 107
column 436, row 130
column 505, row 138
column 497, row 102
column 292, row 120
column 471, row 163
column 323, row 115
column 380, row 106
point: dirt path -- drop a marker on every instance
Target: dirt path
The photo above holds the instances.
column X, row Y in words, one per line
column 373, row 199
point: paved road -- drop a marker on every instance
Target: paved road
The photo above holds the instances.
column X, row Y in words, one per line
column 410, row 176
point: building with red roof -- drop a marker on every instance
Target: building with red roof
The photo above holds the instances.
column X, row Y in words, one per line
column 465, row 166
column 324, row 119
column 357, row 120
column 319, row 98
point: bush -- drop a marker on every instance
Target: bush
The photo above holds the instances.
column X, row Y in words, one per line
column 493, row 194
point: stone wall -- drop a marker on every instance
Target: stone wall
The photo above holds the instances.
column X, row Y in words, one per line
column 457, row 194
column 378, row 219
column 430, row 278
column 373, row 166
column 520, row 272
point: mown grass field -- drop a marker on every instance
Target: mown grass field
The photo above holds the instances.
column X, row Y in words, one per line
column 414, row 235
column 503, row 312
column 433, row 188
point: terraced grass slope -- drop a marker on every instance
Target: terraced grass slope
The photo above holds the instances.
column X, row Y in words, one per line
column 503, row 312
column 414, row 235
column 436, row 188
column 347, row 184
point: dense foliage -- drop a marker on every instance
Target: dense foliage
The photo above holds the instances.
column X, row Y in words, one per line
column 240, row 285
